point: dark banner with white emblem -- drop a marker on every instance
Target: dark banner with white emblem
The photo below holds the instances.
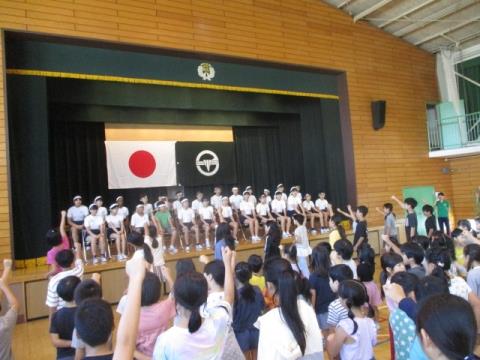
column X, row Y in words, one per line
column 205, row 163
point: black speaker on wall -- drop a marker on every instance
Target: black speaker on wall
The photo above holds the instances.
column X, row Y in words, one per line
column 378, row 114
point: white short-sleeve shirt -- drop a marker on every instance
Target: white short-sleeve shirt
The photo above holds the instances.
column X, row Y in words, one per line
column 77, row 213
column 123, row 211
column 53, row 300
column 247, row 207
column 308, row 205
column 321, row 204
column 262, row 209
column 216, row 201
column 102, row 211
column 196, row 204
column 186, row 215
column 227, row 212
column 139, row 221
column 93, row 222
column 278, row 206
column 206, row 213
column 293, row 202
column 235, row 200
column 115, row 220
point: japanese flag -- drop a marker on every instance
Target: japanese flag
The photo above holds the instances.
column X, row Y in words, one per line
column 140, row 164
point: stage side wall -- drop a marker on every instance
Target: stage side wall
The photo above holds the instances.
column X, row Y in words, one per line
column 378, row 66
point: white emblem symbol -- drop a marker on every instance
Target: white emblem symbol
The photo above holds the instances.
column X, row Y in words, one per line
column 206, row 71
column 207, row 163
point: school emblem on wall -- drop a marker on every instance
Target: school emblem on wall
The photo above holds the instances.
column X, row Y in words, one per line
column 207, row 163
column 206, row 71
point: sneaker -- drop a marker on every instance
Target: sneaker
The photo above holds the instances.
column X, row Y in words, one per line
column 95, row 260
column 236, row 242
column 164, row 248
column 207, row 244
column 172, row 250
column 313, row 231
column 253, row 239
column 285, row 235
column 123, row 257
column 257, row 239
column 199, row 247
column 103, row 259
column 187, row 249
column 119, row 257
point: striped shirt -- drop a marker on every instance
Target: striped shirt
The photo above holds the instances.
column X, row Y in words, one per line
column 53, row 300
column 336, row 312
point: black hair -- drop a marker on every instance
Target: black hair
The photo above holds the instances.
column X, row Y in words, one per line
column 142, row 195
column 65, row 258
column 136, row 239
column 291, row 252
column 184, row 266
column 344, row 248
column 363, row 210
column 423, row 241
column 413, row 250
column 365, row 272
column 66, row 287
column 255, row 262
column 279, row 273
column 355, row 295
column 153, row 235
column 427, row 208
column 151, row 288
column 406, row 280
column 94, row 322
column 321, row 261
column 299, row 218
column 216, row 268
column 473, row 253
column 456, row 232
column 224, row 233
column 464, row 223
column 388, row 206
column 243, row 274
column 326, row 245
column 337, row 219
column 388, row 260
column 444, row 241
column 87, row 289
column 366, row 254
column 411, row 201
column 340, row 273
column 442, row 260
column 190, row 291
column 450, row 324
column 430, row 285
column 53, row 238
column 441, row 194
column 274, row 230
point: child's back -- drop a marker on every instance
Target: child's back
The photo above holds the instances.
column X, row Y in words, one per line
column 63, row 323
column 364, row 339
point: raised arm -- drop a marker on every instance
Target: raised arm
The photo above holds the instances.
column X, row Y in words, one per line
column 330, row 210
column 377, row 209
column 348, row 215
column 63, row 218
column 395, row 248
column 229, row 287
column 11, row 299
column 399, row 202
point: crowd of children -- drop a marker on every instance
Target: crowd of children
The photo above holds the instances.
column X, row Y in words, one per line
column 293, row 302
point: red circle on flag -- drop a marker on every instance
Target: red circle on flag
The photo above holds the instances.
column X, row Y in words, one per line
column 142, row 163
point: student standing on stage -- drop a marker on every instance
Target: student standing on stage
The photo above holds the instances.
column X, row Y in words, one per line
column 235, row 199
column 139, row 219
column 186, row 216
column 226, row 215
column 102, row 210
column 207, row 217
column 279, row 212
column 443, row 207
column 116, row 231
column 177, row 205
column 430, row 220
column 263, row 210
column 248, row 216
column 95, row 227
column 294, row 204
column 167, row 226
column 148, row 208
column 322, row 206
column 123, row 210
column 216, row 199
column 266, row 192
column 76, row 215
column 311, row 212
column 411, row 222
column 198, row 202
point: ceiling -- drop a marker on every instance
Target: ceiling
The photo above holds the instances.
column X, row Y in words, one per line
column 428, row 24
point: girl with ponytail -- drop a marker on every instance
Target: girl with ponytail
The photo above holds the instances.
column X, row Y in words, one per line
column 338, row 231
column 193, row 336
column 141, row 248
column 290, row 330
column 155, row 243
column 354, row 337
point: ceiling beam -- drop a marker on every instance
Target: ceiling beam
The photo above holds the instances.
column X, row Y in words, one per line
column 405, row 13
column 343, row 3
column 419, row 23
column 443, row 32
column 370, row 10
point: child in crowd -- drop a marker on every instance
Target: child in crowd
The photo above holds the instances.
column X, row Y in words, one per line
column 248, row 306
column 252, row 199
column 343, row 255
column 116, row 231
column 216, row 199
column 414, row 255
column 322, row 294
column 224, row 238
column 167, row 227
column 279, row 212
column 142, row 249
column 338, row 231
column 95, row 227
column 63, row 321
column 443, row 208
column 361, row 230
column 322, row 206
column 273, row 238
column 430, row 220
column 76, row 215
column 354, row 337
column 155, row 244
column 9, row 318
column 411, row 222
column 102, row 210
column 289, row 253
column 365, row 275
column 336, row 309
column 226, row 215
column 207, row 218
column 58, row 241
column 255, row 262
column 391, row 264
column 389, row 227
column 311, row 212
column 248, row 216
column 302, row 243
column 139, row 219
column 472, row 261
column 186, row 217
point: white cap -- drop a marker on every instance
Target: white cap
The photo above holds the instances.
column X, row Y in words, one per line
column 119, row 197
column 113, row 206
column 139, row 206
column 184, row 200
column 76, row 197
column 248, row 187
column 162, row 205
column 279, row 186
column 225, row 198
column 99, row 197
column 265, row 190
column 92, row 206
column 293, row 188
column 246, row 192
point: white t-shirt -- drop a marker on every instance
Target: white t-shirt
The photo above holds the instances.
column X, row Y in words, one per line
column 186, row 215
column 293, row 202
column 206, row 213
column 216, row 201
column 207, row 343
column 148, row 208
column 308, row 205
column 177, row 205
column 252, row 199
column 363, row 340
column 196, row 204
column 139, row 221
column 93, row 222
column 235, row 200
column 262, row 209
column 269, row 199
column 278, row 206
column 77, row 213
column 321, row 204
column 157, row 252
column 284, row 197
column 227, row 212
column 115, row 220
column 276, row 340
column 123, row 211
column 459, row 287
column 53, row 300
column 102, row 211
column 302, row 243
column 247, row 207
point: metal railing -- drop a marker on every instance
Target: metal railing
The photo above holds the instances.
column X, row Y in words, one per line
column 454, row 132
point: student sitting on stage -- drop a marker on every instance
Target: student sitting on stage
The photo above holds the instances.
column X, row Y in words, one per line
column 294, row 204
column 226, row 215
column 281, row 189
column 248, row 216
column 58, row 241
column 186, row 216
column 207, row 218
column 116, row 231
column 216, row 199
column 147, row 206
column 63, row 321
column 310, row 212
column 76, row 215
column 235, row 199
column 9, row 318
column 266, row 192
column 252, row 199
column 95, row 228
column 177, row 203
column 102, row 210
column 167, row 226
column 263, row 211
column 123, row 211
column 322, row 206
column 279, row 212
column 198, row 202
column 223, row 238
column 139, row 219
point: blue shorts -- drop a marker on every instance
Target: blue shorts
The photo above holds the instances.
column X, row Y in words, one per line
column 248, row 339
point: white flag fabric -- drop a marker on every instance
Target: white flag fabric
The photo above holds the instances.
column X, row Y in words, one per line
column 140, row 164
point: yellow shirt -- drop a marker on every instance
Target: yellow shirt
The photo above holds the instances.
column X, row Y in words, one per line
column 334, row 237
column 459, row 255
column 258, row 280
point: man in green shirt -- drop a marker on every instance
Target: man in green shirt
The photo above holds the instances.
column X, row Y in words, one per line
column 166, row 224
column 443, row 207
